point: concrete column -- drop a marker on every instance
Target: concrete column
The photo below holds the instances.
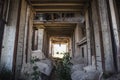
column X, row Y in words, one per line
column 97, row 36
column 25, row 33
column 30, row 31
column 106, row 36
column 40, row 38
column 88, row 38
column 77, row 39
column 45, row 44
column 115, row 30
column 20, row 46
column 9, row 38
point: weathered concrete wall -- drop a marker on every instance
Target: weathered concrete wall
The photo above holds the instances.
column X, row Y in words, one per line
column 105, row 27
column 83, row 50
column 30, row 25
column 103, row 44
column 88, row 35
column 9, row 35
column 97, row 35
column 45, row 44
column 115, row 28
column 80, row 44
column 21, row 35
column 78, row 37
column 40, row 38
column 26, row 34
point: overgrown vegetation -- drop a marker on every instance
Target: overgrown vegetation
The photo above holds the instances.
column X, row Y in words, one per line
column 36, row 73
column 63, row 68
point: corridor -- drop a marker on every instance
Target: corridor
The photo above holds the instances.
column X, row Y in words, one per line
column 59, row 39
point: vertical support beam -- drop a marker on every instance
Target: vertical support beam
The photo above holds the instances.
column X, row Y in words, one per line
column 115, row 30
column 40, row 38
column 26, row 33
column 97, row 35
column 88, row 38
column 9, row 39
column 106, row 36
column 77, row 39
column 30, row 25
column 45, row 44
column 20, row 46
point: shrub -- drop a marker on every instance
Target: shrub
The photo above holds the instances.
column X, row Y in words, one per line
column 63, row 68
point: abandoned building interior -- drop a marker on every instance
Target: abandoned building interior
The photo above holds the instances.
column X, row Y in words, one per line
column 88, row 30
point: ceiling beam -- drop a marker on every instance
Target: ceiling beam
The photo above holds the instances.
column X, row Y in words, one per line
column 58, row 1
column 55, row 24
column 59, row 7
column 58, row 4
column 59, row 10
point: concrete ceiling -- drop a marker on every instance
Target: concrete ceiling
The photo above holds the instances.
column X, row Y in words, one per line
column 58, row 40
column 59, row 29
column 58, row 5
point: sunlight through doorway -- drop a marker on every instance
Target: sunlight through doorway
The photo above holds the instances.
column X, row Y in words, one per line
column 59, row 49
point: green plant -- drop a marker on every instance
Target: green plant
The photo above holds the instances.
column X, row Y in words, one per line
column 63, row 68
column 36, row 73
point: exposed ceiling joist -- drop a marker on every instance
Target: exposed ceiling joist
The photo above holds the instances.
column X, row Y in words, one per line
column 58, row 4
column 59, row 7
column 58, row 24
column 58, row 1
column 58, row 10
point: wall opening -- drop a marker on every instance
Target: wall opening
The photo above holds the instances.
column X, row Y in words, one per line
column 59, row 50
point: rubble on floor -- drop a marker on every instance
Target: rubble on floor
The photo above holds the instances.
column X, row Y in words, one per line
column 42, row 65
column 113, row 77
column 83, row 72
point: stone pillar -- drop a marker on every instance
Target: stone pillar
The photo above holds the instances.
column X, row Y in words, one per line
column 26, row 33
column 97, row 36
column 20, row 46
column 40, row 38
column 9, row 38
column 88, row 38
column 115, row 30
column 106, row 35
column 30, row 32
